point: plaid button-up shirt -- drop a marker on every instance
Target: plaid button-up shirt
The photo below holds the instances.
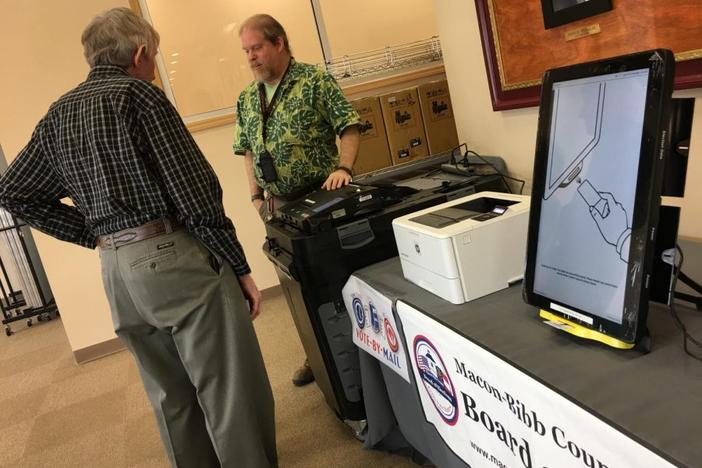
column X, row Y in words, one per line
column 119, row 150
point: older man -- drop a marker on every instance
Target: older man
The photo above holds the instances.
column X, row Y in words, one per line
column 174, row 272
column 288, row 119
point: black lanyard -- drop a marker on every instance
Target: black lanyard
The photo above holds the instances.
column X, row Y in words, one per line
column 267, row 108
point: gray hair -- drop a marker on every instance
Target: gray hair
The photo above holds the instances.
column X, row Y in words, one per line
column 112, row 37
column 269, row 27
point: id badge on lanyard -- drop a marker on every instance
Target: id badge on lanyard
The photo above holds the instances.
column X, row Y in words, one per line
column 265, row 160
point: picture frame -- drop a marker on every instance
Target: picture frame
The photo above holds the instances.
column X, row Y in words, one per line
column 498, row 19
column 559, row 12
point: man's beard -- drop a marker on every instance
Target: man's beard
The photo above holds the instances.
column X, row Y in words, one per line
column 262, row 73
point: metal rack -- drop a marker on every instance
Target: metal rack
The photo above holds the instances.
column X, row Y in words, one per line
column 24, row 292
column 385, row 60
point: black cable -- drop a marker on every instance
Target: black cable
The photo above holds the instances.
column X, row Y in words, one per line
column 453, row 154
column 521, row 181
column 676, row 319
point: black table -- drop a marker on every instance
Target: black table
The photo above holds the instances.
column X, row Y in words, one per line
column 655, row 398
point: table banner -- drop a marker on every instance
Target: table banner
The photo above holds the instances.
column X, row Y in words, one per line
column 374, row 329
column 491, row 414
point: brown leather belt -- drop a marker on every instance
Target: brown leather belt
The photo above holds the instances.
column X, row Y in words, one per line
column 139, row 233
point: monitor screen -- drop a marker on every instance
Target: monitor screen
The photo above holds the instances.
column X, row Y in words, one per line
column 597, row 178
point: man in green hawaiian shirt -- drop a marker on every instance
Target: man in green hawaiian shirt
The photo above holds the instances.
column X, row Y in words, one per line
column 288, row 119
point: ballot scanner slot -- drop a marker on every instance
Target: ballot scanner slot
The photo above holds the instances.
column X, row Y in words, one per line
column 355, row 235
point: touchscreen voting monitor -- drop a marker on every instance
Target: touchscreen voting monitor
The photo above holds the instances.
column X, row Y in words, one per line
column 598, row 167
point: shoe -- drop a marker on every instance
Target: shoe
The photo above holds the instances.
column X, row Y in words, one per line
column 303, row 375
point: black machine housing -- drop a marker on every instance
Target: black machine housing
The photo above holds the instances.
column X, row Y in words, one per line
column 314, row 253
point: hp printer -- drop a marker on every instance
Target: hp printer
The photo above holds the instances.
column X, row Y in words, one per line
column 466, row 248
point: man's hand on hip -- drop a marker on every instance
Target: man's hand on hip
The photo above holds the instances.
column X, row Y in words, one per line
column 337, row 179
column 252, row 294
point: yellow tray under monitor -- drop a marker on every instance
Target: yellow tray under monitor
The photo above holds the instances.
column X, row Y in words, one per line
column 582, row 332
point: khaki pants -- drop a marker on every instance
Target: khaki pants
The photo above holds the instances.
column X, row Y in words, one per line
column 181, row 312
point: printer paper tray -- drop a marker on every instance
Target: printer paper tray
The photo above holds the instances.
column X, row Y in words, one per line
column 449, row 289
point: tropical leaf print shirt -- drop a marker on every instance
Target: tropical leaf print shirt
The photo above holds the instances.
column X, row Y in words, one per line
column 305, row 117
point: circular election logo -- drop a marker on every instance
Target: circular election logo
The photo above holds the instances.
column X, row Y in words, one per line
column 391, row 336
column 374, row 320
column 435, row 378
column 358, row 312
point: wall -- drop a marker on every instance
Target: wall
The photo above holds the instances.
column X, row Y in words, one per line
column 201, row 50
column 512, row 134
column 41, row 41
column 375, row 24
column 40, row 45
column 216, row 143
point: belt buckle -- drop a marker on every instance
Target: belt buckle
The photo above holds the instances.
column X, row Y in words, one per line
column 108, row 242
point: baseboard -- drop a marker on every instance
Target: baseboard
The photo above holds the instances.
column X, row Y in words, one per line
column 97, row 351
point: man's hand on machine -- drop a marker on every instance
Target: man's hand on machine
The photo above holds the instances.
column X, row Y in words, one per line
column 252, row 295
column 337, row 179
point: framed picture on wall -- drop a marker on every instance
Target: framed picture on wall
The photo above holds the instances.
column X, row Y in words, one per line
column 558, row 12
column 514, row 76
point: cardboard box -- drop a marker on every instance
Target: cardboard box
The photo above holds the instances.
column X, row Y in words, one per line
column 403, row 121
column 373, row 153
column 437, row 113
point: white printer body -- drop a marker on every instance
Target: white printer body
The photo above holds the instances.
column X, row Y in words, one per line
column 466, row 248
